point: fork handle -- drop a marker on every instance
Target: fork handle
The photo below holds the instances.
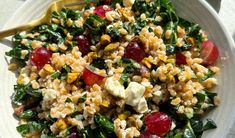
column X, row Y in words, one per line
column 12, row 31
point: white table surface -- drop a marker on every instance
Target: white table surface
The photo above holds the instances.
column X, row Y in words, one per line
column 226, row 11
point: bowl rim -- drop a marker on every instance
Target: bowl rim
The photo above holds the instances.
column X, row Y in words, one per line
column 218, row 19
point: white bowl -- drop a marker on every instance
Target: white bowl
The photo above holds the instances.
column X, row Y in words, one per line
column 195, row 10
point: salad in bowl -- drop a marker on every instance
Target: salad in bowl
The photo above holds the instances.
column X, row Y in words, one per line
column 124, row 69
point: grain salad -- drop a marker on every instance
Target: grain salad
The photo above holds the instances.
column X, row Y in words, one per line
column 123, row 69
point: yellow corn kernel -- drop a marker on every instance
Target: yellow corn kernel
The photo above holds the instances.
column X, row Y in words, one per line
column 111, row 47
column 92, row 55
column 127, row 14
column 33, row 76
column 192, row 41
column 124, row 115
column 146, row 62
column 53, row 47
column 168, row 34
column 181, row 31
column 62, row 47
column 56, row 21
column 188, row 75
column 35, row 84
column 36, row 44
column 65, row 31
column 122, row 31
column 105, row 39
column 148, row 91
column 68, row 42
column 34, row 69
column 24, row 41
column 170, row 61
column 105, row 103
column 48, row 68
column 171, row 78
column 12, row 66
column 188, row 95
column 162, row 58
column 72, row 77
column 61, row 124
column 189, row 61
column 176, row 101
column 69, row 22
column 20, row 79
column 42, row 73
column 30, row 35
column 74, row 98
column 74, row 88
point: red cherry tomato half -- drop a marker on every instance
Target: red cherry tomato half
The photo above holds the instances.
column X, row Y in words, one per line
column 180, row 59
column 83, row 44
column 91, row 78
column 40, row 56
column 158, row 123
column 134, row 51
column 101, row 10
column 209, row 52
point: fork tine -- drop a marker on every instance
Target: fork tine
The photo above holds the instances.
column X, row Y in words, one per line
column 76, row 7
column 74, row 3
column 71, row 3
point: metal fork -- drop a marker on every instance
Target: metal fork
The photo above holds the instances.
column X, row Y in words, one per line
column 46, row 18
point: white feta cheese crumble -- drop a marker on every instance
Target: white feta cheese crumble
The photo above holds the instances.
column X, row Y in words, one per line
column 142, row 106
column 128, row 3
column 114, row 87
column 134, row 92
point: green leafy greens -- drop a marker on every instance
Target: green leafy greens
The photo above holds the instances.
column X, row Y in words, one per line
column 130, row 67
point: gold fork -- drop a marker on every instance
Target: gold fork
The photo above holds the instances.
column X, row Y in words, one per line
column 46, row 18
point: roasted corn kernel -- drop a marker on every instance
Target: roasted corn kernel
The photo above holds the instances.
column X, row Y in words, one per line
column 105, row 39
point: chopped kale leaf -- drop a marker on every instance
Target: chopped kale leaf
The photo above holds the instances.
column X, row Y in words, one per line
column 30, row 127
column 99, row 63
column 28, row 114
